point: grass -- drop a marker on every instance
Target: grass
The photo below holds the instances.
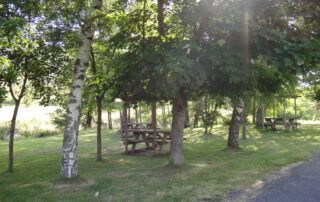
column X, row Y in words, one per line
column 210, row 171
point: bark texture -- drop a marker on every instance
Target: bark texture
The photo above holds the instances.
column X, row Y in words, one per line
column 233, row 138
column 179, row 110
column 69, row 165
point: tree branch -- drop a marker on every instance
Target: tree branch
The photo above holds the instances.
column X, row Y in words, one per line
column 11, row 92
column 23, row 88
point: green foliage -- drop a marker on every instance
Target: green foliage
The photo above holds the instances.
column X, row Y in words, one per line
column 29, row 53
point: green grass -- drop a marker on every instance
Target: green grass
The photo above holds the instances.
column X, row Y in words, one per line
column 210, row 171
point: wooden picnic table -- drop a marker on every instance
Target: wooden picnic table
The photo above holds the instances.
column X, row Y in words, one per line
column 289, row 123
column 153, row 139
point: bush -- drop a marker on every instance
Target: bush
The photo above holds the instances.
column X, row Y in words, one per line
column 47, row 133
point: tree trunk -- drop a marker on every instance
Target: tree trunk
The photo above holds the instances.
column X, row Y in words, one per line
column 17, row 101
column 88, row 120
column 179, row 110
column 206, row 115
column 121, row 120
column 129, row 114
column 109, row 120
column 260, row 114
column 169, row 113
column 164, row 116
column 154, row 115
column 197, row 114
column 254, row 109
column 140, row 113
column 244, row 121
column 99, row 126
column 161, row 24
column 137, row 116
column 233, row 138
column 125, row 125
column 11, row 133
column 259, row 117
column 69, row 165
column 295, row 108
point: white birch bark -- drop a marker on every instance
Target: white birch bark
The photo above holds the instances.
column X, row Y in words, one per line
column 69, row 166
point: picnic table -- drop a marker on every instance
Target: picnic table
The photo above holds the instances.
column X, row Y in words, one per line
column 287, row 123
column 153, row 139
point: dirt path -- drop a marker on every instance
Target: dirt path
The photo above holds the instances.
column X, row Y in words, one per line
column 297, row 183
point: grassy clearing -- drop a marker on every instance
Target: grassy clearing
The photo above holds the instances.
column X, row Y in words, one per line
column 210, row 173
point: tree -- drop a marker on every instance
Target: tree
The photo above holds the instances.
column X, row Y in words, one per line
column 28, row 54
column 69, row 165
column 264, row 57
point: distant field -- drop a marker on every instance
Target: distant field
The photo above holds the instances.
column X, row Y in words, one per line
column 27, row 113
column 36, row 119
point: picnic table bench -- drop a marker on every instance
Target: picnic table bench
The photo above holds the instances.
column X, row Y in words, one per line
column 289, row 123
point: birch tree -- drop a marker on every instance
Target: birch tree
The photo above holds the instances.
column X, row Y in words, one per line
column 69, row 166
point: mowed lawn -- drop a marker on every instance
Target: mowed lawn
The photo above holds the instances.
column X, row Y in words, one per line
column 210, row 172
